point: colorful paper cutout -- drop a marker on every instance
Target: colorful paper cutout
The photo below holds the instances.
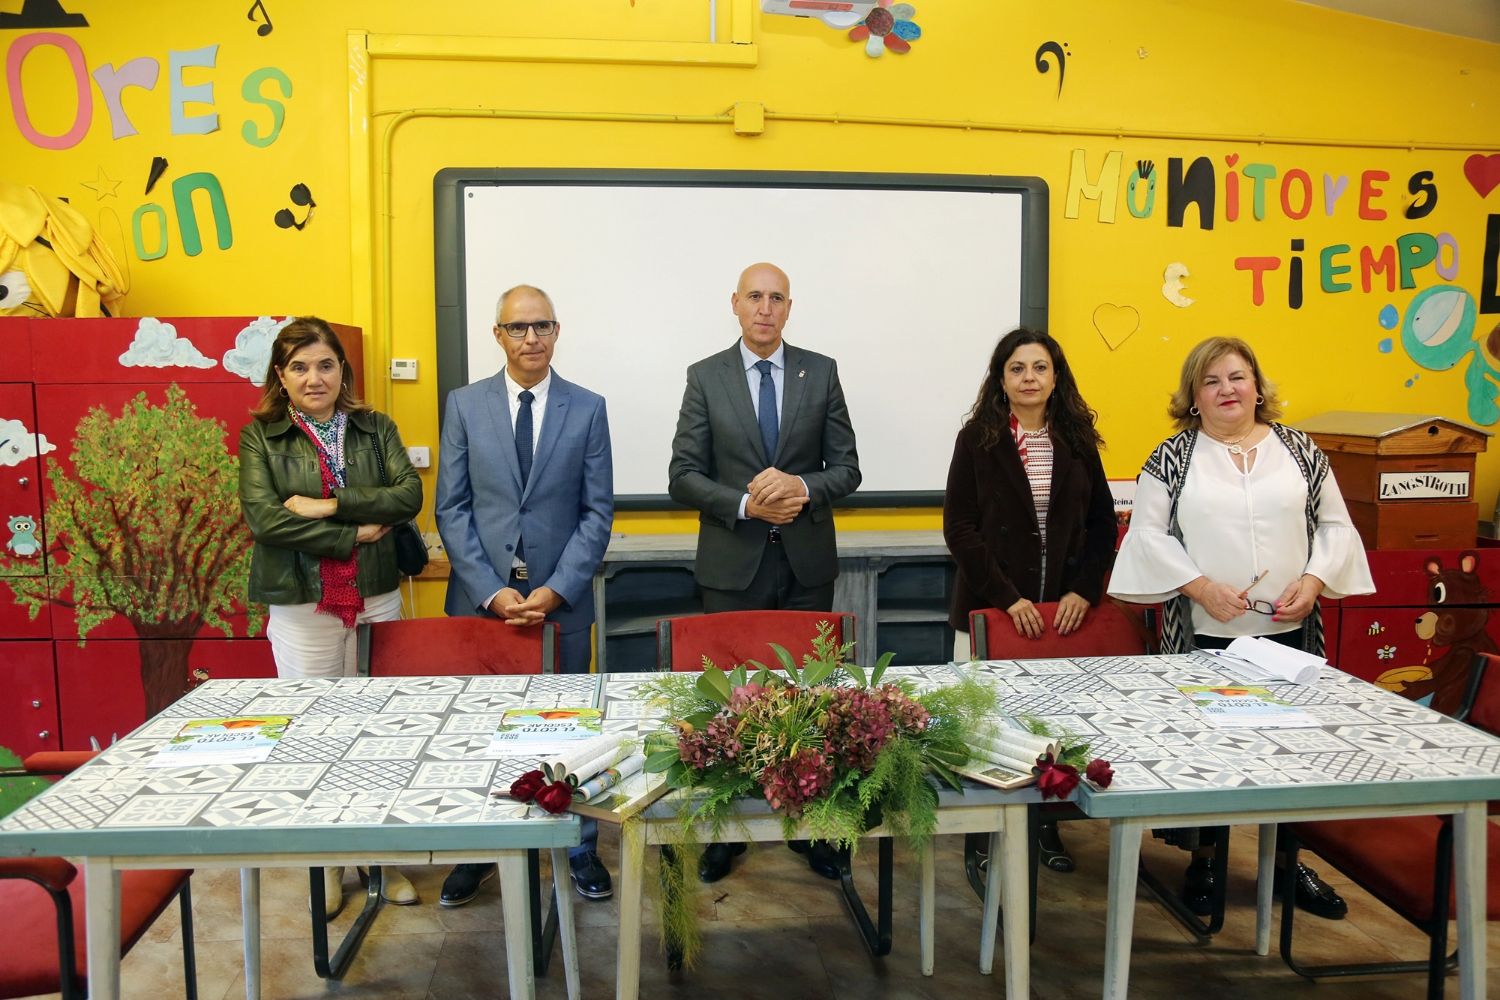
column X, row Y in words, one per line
column 887, row 28
column 187, row 219
column 1172, row 285
column 1483, row 172
column 198, row 93
column 1389, row 317
column 1438, row 333
column 1116, row 323
column 139, row 72
column 43, row 14
column 1368, row 192
column 1489, row 287
column 102, row 186
column 1386, row 345
column 250, row 90
column 1196, row 187
column 15, row 292
column 1103, row 191
column 1058, row 52
column 82, row 119
column 1144, row 169
column 1333, row 190
column 1424, row 194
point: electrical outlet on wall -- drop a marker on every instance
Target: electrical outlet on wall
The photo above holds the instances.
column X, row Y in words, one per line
column 420, row 456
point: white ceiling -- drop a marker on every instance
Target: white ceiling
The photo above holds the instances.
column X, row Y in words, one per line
column 1479, row 19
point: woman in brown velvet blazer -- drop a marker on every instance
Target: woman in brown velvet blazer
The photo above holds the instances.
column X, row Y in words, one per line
column 1028, row 514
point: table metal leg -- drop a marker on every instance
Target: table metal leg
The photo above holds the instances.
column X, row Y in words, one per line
column 515, row 906
column 993, row 872
column 1016, row 843
column 1124, row 858
column 334, row 967
column 102, row 882
column 250, row 918
column 1265, row 885
column 928, row 906
column 562, row 909
column 1470, row 847
column 876, row 933
column 628, row 888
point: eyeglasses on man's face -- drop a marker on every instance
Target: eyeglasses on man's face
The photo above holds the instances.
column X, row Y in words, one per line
column 517, row 331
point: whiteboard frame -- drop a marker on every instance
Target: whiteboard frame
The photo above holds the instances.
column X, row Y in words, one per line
column 450, row 292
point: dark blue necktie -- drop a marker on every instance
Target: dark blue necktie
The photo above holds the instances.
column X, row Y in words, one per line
column 769, row 431
column 523, row 436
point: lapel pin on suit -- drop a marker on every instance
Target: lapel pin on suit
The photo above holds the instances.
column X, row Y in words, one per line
column 802, row 373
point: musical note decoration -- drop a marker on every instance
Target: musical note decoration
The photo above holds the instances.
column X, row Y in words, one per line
column 43, row 14
column 261, row 29
column 1060, row 53
column 300, row 195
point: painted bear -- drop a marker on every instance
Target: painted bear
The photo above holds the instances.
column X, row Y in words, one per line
column 23, row 541
column 1455, row 625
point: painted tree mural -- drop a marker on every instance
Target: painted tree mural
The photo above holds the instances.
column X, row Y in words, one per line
column 148, row 527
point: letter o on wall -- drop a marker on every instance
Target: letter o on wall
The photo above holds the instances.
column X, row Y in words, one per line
column 150, row 208
column 19, row 50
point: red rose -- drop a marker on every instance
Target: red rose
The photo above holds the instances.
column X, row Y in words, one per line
column 1099, row 772
column 555, row 797
column 1057, row 780
column 524, row 788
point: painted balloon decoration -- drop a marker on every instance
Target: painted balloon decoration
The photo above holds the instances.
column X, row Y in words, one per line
column 1438, row 333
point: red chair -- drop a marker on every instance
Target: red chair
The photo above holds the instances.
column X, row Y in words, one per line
column 433, row 647
column 729, row 638
column 44, row 947
column 1406, row 862
column 1108, row 630
column 436, row 647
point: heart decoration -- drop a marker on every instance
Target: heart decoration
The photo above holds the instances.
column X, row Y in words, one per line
column 1483, row 172
column 1231, row 159
column 1116, row 323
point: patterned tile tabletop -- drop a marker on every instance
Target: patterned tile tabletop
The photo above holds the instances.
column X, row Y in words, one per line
column 368, row 763
column 1370, row 746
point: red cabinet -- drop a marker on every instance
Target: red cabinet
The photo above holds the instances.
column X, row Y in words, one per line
column 28, row 697
column 1418, row 633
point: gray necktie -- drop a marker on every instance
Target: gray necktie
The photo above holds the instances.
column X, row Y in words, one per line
column 769, row 429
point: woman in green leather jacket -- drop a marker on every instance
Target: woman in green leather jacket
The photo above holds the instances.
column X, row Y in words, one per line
column 320, row 514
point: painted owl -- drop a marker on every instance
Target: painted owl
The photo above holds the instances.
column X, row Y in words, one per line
column 23, row 541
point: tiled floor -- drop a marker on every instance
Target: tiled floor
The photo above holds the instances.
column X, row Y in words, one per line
column 774, row 930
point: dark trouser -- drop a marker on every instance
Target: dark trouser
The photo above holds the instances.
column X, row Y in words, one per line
column 1292, row 638
column 573, row 657
column 773, row 588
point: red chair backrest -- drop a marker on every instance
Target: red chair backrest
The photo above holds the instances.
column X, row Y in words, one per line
column 1484, row 711
column 1108, row 630
column 428, row 647
column 733, row 637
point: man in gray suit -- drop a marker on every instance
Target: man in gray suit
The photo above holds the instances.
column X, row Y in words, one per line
column 764, row 449
column 525, row 500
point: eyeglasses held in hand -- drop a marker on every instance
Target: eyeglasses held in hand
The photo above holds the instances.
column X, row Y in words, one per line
column 543, row 328
column 1260, row 607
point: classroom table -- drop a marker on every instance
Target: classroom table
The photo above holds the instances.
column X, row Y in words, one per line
column 382, row 770
column 979, row 809
column 1373, row 753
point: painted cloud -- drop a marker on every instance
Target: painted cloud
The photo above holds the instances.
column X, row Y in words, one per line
column 156, row 345
column 17, row 444
column 251, row 353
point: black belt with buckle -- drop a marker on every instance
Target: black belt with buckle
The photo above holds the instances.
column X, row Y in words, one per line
column 519, row 572
column 774, row 535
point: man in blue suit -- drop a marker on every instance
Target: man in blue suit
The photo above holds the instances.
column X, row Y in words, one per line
column 525, row 500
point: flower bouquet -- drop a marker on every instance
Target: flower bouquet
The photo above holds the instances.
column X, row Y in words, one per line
column 833, row 749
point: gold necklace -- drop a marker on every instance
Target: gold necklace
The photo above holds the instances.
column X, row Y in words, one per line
column 1233, row 446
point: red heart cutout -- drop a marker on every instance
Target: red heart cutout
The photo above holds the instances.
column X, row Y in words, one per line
column 1231, row 159
column 1483, row 172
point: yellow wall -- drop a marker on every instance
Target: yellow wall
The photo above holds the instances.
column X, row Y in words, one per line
column 1275, row 83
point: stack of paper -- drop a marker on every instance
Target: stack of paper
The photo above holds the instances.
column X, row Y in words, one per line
column 1005, row 757
column 1259, row 659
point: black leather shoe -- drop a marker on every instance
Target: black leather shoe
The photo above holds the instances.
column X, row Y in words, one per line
column 1198, row 887
column 590, row 877
column 713, row 864
column 463, row 882
column 1053, row 851
column 826, row 859
column 1316, row 896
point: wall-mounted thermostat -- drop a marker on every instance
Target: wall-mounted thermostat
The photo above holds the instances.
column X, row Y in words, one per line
column 404, row 369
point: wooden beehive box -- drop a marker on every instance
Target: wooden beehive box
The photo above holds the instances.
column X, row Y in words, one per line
column 1408, row 478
